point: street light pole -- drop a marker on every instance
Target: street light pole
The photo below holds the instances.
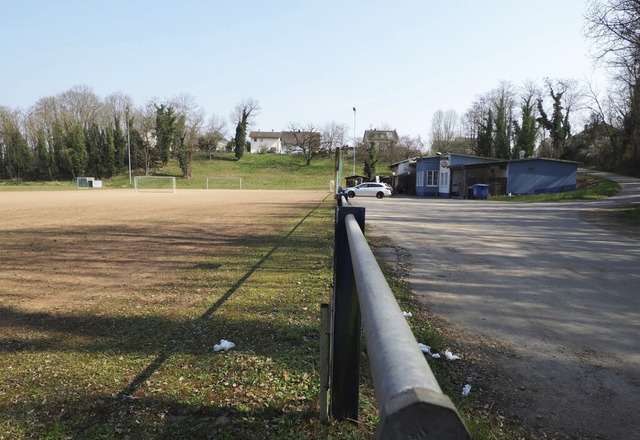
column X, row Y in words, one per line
column 354, row 141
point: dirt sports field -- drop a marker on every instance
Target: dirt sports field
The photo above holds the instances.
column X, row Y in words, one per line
column 68, row 249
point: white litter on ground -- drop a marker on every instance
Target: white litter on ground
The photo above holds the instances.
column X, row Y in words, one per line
column 427, row 349
column 407, row 314
column 224, row 345
column 450, row 356
column 466, row 390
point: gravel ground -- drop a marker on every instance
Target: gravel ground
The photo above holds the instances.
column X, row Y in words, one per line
column 545, row 305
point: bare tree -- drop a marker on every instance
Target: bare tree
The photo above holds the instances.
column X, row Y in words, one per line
column 407, row 147
column 190, row 121
column 115, row 106
column 613, row 25
column 214, row 133
column 444, row 130
column 334, row 136
column 82, row 103
column 306, row 137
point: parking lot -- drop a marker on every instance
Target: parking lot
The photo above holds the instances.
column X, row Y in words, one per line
column 559, row 296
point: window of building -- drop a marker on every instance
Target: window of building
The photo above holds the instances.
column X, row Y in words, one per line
column 432, row 178
column 420, row 178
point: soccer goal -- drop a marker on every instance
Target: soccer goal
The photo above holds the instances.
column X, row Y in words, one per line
column 224, row 182
column 154, row 183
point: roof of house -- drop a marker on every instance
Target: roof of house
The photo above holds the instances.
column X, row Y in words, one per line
column 265, row 134
column 508, row 161
column 410, row 161
column 384, row 135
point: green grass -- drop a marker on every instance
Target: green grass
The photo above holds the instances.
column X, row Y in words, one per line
column 588, row 188
column 142, row 366
column 258, row 171
column 12, row 185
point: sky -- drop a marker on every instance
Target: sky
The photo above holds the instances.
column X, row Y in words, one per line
column 305, row 61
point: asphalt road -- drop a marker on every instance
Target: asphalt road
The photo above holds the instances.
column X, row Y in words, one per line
column 563, row 295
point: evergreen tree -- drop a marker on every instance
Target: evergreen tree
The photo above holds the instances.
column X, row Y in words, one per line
column 183, row 152
column 165, row 131
column 527, row 131
column 76, row 152
column 501, row 141
column 558, row 125
column 485, row 137
column 120, row 146
column 241, row 136
column 43, row 161
column 138, row 149
column 109, row 154
column 93, row 144
column 17, row 155
column 243, row 112
column 56, row 140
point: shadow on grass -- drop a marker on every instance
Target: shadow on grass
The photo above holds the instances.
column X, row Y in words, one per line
column 161, row 337
column 108, row 417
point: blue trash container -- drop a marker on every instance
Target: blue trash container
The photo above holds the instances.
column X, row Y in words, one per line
column 480, row 191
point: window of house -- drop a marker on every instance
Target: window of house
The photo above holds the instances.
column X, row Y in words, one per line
column 420, row 178
column 432, row 178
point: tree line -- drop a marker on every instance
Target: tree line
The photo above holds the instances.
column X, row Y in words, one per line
column 562, row 118
column 75, row 133
column 509, row 122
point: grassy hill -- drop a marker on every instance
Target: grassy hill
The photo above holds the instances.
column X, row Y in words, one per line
column 258, row 171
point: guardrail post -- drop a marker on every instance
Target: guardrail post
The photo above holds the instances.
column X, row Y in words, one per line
column 345, row 347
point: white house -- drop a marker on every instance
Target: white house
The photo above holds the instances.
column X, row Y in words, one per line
column 265, row 142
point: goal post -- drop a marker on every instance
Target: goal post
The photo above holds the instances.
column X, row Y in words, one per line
column 224, row 182
column 154, row 184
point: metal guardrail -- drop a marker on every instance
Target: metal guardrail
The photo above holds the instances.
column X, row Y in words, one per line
column 410, row 401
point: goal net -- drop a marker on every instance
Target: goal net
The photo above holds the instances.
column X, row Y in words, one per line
column 154, row 184
column 224, row 182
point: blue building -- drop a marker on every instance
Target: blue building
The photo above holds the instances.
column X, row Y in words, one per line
column 454, row 175
column 434, row 174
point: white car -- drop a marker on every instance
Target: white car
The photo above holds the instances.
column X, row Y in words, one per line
column 369, row 189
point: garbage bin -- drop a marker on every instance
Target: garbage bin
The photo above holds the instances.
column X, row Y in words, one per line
column 480, row 191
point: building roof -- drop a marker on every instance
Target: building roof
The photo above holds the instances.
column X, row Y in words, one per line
column 410, row 161
column 508, row 161
column 265, row 134
column 380, row 135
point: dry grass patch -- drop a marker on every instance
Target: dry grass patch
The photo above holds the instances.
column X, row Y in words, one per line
column 112, row 302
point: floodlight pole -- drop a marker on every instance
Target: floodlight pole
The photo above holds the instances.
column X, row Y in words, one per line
column 354, row 141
